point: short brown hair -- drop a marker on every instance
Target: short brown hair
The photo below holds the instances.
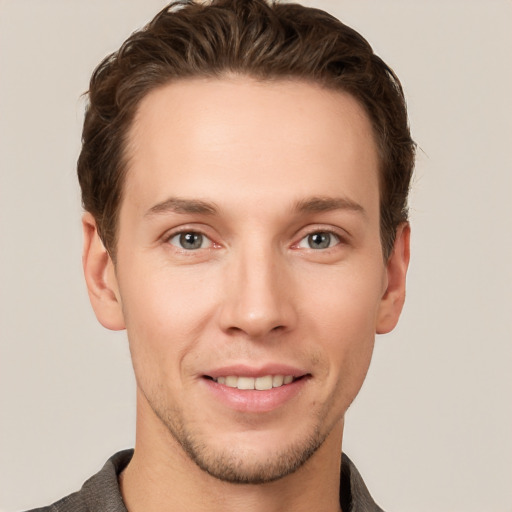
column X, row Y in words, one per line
column 249, row 37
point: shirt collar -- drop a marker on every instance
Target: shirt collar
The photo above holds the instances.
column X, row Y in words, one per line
column 101, row 492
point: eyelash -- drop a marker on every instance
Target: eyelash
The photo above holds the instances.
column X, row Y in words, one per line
column 338, row 239
column 342, row 238
column 184, row 232
column 326, row 234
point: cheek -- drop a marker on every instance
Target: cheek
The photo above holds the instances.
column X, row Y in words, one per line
column 350, row 337
column 349, row 343
column 165, row 313
column 343, row 315
column 345, row 300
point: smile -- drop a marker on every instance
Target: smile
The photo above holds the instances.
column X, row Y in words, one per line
column 255, row 390
column 258, row 383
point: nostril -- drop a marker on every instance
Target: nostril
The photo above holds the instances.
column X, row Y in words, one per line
column 235, row 330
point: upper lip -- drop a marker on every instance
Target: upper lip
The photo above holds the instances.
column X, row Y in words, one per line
column 255, row 371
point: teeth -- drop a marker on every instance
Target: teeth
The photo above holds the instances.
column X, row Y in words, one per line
column 232, row 382
column 277, row 380
column 263, row 383
column 245, row 383
column 259, row 383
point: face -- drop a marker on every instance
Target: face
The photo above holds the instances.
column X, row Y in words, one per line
column 249, row 271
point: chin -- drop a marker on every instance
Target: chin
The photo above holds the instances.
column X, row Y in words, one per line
column 251, row 462
column 249, row 455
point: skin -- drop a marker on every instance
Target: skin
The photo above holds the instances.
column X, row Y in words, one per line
column 256, row 169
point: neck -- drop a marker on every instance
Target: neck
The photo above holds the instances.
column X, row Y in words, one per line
column 161, row 477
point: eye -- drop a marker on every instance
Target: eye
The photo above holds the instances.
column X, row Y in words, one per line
column 190, row 240
column 319, row 240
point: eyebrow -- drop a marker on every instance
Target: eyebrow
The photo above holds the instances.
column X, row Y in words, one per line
column 320, row 204
column 315, row 204
column 178, row 205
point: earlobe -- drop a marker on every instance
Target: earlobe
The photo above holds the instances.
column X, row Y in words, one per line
column 393, row 298
column 100, row 277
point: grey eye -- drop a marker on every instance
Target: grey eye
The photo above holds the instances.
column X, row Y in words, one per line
column 319, row 240
column 189, row 240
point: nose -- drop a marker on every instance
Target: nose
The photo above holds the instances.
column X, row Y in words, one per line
column 258, row 297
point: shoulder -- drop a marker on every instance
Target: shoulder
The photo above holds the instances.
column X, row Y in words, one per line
column 100, row 492
column 354, row 495
column 74, row 502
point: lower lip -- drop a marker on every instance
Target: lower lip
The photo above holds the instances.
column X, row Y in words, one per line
column 253, row 400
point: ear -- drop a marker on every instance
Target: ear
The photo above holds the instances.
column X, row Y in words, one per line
column 393, row 298
column 100, row 277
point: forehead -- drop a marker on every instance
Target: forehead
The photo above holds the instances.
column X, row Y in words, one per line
column 252, row 140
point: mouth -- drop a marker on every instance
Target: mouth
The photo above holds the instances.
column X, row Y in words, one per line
column 255, row 390
column 263, row 383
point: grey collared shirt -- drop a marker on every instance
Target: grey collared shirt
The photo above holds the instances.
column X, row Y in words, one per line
column 101, row 492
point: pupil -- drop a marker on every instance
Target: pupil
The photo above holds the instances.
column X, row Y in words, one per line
column 191, row 240
column 319, row 240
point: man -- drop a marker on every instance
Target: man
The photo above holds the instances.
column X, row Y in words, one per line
column 244, row 173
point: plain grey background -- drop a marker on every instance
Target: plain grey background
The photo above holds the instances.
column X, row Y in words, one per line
column 432, row 427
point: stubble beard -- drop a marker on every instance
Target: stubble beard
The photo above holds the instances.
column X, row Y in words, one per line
column 234, row 466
